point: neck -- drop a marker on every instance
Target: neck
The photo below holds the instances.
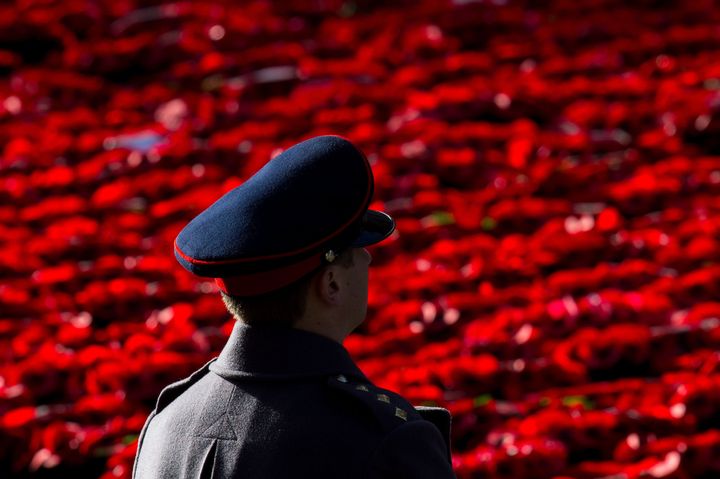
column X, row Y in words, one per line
column 332, row 331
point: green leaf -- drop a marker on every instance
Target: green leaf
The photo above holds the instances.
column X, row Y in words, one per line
column 482, row 400
column 438, row 218
column 488, row 223
column 583, row 401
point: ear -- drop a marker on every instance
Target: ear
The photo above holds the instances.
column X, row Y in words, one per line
column 329, row 286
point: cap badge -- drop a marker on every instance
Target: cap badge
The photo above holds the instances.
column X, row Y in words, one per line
column 330, row 256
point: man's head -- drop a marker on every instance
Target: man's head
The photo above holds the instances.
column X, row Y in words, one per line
column 276, row 237
column 330, row 300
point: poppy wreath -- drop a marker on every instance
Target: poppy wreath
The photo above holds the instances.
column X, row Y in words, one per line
column 554, row 171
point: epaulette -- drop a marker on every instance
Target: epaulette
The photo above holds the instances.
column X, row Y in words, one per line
column 391, row 409
column 172, row 391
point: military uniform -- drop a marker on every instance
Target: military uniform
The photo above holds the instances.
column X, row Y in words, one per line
column 280, row 403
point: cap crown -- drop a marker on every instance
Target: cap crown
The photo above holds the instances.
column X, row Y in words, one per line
column 309, row 198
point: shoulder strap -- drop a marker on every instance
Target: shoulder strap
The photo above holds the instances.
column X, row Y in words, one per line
column 389, row 408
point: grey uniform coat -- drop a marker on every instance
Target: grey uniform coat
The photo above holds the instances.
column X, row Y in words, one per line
column 281, row 403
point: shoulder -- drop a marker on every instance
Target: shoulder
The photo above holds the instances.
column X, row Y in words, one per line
column 412, row 444
column 169, row 394
column 389, row 409
column 172, row 391
column 414, row 450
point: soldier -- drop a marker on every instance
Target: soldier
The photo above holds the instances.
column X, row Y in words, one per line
column 284, row 398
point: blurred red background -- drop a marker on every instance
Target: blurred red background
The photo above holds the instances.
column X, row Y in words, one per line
column 554, row 171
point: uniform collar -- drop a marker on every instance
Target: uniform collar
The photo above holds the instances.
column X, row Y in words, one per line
column 280, row 353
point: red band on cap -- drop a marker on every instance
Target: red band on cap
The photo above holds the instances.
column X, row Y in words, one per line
column 258, row 283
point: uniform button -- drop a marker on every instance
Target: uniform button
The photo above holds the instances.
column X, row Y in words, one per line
column 342, row 378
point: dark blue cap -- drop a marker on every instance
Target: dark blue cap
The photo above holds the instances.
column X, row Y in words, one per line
column 298, row 211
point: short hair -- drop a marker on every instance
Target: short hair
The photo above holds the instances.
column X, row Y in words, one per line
column 281, row 307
